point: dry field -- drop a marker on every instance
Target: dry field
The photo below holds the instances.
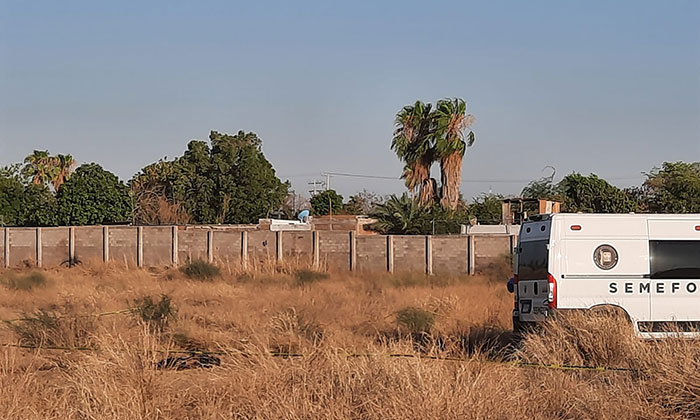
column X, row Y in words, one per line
column 303, row 345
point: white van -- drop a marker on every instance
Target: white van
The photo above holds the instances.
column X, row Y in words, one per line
column 646, row 264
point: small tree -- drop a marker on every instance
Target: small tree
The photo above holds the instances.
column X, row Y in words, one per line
column 362, row 203
column 673, row 188
column 323, row 202
column 93, row 196
column 487, row 209
column 590, row 194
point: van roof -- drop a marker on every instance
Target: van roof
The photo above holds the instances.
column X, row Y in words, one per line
column 658, row 216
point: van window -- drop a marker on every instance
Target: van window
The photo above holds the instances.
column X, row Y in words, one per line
column 674, row 259
column 533, row 259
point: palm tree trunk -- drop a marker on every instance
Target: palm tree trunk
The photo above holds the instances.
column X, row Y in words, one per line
column 426, row 184
column 451, row 171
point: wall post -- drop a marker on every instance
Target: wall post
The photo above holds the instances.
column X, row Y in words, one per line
column 429, row 255
column 139, row 246
column 105, row 243
column 316, row 250
column 353, row 251
column 244, row 249
column 175, row 247
column 210, row 245
column 390, row 253
column 6, row 247
column 471, row 255
column 39, row 253
column 71, row 246
column 279, row 255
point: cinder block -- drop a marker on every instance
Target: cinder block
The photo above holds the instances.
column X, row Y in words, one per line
column 371, row 253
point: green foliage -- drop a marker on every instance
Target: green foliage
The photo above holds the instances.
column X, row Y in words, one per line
column 229, row 182
column 25, row 281
column 673, row 188
column 325, row 201
column 25, row 204
column 93, row 196
column 401, row 215
column 487, row 209
column 200, row 270
column 363, row 202
column 155, row 314
column 406, row 216
column 308, row 276
column 590, row 194
column 416, row 320
column 45, row 328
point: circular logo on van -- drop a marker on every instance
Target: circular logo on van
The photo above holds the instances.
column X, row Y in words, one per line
column 605, row 257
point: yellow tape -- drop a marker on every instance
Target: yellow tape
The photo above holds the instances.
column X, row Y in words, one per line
column 354, row 355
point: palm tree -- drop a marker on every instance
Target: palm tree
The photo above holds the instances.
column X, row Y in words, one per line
column 401, row 215
column 63, row 167
column 412, row 143
column 38, row 167
column 451, row 121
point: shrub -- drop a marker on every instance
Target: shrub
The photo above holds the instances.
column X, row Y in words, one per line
column 27, row 281
column 201, row 270
column 156, row 315
column 45, row 328
column 309, row 276
column 416, row 320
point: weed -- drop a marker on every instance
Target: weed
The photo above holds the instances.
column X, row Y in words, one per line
column 416, row 320
column 45, row 328
column 25, row 282
column 156, row 315
column 201, row 270
column 309, row 276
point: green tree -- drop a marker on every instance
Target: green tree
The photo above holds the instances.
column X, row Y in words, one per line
column 362, row 203
column 591, row 194
column 229, row 182
column 325, row 202
column 487, row 209
column 451, row 142
column 673, row 188
column 93, row 196
column 25, row 204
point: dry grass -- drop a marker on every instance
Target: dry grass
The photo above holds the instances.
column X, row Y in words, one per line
column 344, row 326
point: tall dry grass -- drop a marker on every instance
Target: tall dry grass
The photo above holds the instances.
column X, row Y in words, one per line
column 341, row 330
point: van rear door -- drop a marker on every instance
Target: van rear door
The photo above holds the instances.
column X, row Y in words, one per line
column 533, row 289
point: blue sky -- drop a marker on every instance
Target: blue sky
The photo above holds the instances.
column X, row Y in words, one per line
column 606, row 87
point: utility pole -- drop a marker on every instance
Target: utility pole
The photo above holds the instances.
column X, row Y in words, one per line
column 328, row 180
column 315, row 184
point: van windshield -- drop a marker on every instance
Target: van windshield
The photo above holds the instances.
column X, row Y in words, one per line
column 533, row 259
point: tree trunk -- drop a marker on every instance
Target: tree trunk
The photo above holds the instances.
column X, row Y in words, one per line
column 426, row 184
column 451, row 171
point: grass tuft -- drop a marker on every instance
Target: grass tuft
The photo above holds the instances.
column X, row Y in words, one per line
column 416, row 320
column 309, row 276
column 201, row 270
column 26, row 281
column 155, row 314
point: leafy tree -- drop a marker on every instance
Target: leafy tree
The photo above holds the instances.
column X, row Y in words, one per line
column 487, row 209
column 93, row 196
column 673, row 188
column 362, row 203
column 591, row 194
column 25, row 204
column 326, row 201
column 450, row 145
column 412, row 143
column 229, row 182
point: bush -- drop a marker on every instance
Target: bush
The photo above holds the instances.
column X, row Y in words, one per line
column 200, row 270
column 49, row 329
column 156, row 315
column 309, row 276
column 416, row 320
column 26, row 282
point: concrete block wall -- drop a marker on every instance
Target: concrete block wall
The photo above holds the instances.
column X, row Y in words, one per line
column 146, row 246
column 410, row 254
